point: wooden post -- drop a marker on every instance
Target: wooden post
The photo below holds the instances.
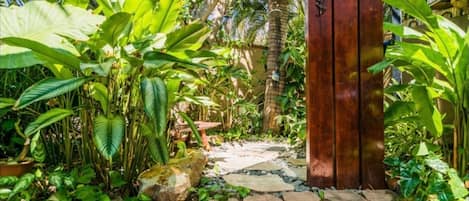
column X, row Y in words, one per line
column 345, row 145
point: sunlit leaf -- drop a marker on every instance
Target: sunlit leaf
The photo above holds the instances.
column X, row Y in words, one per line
column 428, row 112
column 113, row 28
column 46, row 119
column 165, row 19
column 416, row 8
column 45, row 23
column 457, row 185
column 189, row 37
column 48, row 88
column 44, row 52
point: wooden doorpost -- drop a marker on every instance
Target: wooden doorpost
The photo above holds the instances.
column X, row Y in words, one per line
column 345, row 128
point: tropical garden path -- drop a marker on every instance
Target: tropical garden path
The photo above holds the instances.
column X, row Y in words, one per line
column 272, row 172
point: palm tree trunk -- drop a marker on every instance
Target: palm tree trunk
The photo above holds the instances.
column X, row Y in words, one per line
column 275, row 75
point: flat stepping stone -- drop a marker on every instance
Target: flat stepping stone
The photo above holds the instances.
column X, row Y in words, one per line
column 334, row 195
column 297, row 162
column 380, row 195
column 300, row 196
column 265, row 166
column 263, row 197
column 263, row 183
column 299, row 172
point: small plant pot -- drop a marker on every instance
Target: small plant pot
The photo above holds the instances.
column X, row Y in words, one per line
column 15, row 168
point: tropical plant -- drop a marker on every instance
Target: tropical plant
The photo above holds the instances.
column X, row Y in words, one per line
column 213, row 191
column 426, row 177
column 437, row 60
column 53, row 34
column 132, row 65
column 12, row 83
column 56, row 184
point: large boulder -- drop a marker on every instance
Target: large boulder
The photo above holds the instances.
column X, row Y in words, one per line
column 172, row 182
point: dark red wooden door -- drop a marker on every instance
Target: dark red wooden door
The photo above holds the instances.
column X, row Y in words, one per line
column 344, row 101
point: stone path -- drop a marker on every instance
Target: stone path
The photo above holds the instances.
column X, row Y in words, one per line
column 273, row 173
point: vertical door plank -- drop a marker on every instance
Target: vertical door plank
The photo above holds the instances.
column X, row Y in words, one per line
column 320, row 97
column 371, row 104
column 347, row 130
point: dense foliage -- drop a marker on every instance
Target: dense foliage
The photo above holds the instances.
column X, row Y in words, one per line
column 102, row 73
column 94, row 92
column 421, row 128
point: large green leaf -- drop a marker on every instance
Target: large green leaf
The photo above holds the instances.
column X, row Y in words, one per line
column 48, row 88
column 43, row 52
column 427, row 56
column 461, row 65
column 416, row 8
column 23, row 184
column 157, row 146
column 380, row 66
column 46, row 23
column 108, row 134
column 143, row 15
column 155, row 101
column 457, row 185
column 398, row 110
column 447, row 91
column 165, row 19
column 172, row 85
column 156, row 59
column 446, row 41
column 404, row 31
column 427, row 111
column 46, row 119
column 114, row 27
column 190, row 37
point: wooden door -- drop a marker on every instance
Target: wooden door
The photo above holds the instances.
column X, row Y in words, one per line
column 345, row 145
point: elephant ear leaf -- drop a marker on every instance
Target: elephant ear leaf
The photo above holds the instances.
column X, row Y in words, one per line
column 44, row 52
column 48, row 88
column 108, row 134
column 166, row 16
column 46, row 119
column 155, row 100
column 427, row 111
column 45, row 23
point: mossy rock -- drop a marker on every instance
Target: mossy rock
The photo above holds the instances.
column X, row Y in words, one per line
column 172, row 182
